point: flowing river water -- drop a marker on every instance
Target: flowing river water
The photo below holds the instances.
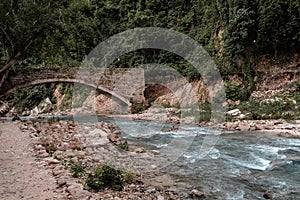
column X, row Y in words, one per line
column 237, row 165
column 240, row 165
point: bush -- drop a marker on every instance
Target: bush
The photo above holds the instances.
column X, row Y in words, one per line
column 105, row 176
column 128, row 177
column 124, row 145
column 279, row 108
column 77, row 168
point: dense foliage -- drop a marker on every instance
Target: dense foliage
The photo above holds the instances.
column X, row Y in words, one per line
column 235, row 32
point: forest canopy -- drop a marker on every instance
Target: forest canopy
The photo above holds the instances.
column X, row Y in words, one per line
column 61, row 33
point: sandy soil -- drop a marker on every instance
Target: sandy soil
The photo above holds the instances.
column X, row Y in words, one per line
column 20, row 175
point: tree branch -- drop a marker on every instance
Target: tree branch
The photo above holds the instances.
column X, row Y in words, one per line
column 9, row 40
column 15, row 57
column 3, row 78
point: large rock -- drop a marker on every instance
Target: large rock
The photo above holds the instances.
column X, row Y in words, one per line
column 77, row 192
column 231, row 126
column 115, row 137
column 44, row 107
column 244, row 126
column 234, row 112
column 195, row 194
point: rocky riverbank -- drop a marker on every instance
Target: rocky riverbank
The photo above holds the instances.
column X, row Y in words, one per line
column 290, row 129
column 273, row 127
column 59, row 146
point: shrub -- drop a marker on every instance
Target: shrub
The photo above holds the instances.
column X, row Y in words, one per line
column 77, row 168
column 105, row 176
column 124, row 145
column 128, row 177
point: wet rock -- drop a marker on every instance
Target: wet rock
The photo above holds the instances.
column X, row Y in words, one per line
column 195, row 194
column 269, row 194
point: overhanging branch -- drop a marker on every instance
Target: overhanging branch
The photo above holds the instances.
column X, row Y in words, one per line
column 17, row 56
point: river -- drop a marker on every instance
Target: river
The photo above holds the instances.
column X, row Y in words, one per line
column 240, row 165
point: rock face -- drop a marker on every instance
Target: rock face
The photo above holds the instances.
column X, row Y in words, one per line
column 174, row 89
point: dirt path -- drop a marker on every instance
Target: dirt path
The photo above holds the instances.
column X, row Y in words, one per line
column 20, row 175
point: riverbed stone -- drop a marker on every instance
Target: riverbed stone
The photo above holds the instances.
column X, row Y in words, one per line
column 61, row 181
column 140, row 150
column 244, row 126
column 115, row 137
column 195, row 194
column 51, row 161
column 160, row 197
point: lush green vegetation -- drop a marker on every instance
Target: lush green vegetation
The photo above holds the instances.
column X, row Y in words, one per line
column 76, row 168
column 123, row 145
column 101, row 176
column 235, row 33
column 107, row 176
